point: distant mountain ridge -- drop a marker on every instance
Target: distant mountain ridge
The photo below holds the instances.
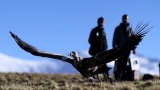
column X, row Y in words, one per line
column 13, row 64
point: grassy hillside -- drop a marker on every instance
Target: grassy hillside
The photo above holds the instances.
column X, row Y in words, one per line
column 25, row 81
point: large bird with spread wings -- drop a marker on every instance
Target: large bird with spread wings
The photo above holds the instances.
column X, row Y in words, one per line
column 89, row 66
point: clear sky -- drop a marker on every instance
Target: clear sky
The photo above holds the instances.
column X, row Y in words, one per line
column 61, row 26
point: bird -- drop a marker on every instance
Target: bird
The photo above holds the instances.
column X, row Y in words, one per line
column 89, row 66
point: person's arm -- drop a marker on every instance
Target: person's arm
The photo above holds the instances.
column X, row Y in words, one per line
column 132, row 33
column 106, row 43
column 91, row 37
column 134, row 51
column 114, row 42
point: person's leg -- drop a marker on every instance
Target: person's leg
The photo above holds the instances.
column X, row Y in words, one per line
column 124, row 65
column 118, row 68
column 95, row 76
column 105, row 71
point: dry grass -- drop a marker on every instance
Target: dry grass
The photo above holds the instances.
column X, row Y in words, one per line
column 25, row 81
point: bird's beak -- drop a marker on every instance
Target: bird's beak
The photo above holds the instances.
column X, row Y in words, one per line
column 71, row 54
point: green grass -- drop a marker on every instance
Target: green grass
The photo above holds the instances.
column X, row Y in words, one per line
column 25, row 81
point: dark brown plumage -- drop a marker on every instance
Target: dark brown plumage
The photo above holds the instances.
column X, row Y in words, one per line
column 89, row 66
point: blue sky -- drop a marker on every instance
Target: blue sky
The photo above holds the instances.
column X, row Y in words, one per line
column 61, row 26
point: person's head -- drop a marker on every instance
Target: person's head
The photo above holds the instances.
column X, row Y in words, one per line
column 100, row 21
column 125, row 18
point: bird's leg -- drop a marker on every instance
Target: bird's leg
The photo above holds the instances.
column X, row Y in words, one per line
column 91, row 79
column 92, row 69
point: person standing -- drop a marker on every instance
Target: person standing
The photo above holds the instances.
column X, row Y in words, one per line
column 122, row 32
column 98, row 43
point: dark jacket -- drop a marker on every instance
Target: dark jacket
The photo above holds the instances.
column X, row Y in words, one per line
column 97, row 41
column 121, row 34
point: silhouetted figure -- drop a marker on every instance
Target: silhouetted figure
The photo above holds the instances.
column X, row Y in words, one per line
column 98, row 43
column 159, row 69
column 88, row 66
column 121, row 35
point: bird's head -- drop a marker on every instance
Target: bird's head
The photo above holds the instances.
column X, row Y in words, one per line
column 77, row 59
column 74, row 54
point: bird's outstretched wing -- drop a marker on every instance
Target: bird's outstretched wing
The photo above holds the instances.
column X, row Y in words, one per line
column 132, row 42
column 34, row 51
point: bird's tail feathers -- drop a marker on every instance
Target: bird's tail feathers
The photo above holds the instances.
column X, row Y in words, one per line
column 139, row 32
column 132, row 42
